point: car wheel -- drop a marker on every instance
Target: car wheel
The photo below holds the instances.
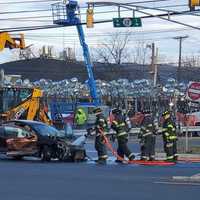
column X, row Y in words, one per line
column 63, row 151
column 46, row 153
column 79, row 156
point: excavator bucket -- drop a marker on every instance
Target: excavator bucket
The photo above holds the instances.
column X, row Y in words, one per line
column 11, row 42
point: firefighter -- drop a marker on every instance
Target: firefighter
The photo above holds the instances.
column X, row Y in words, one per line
column 169, row 137
column 120, row 126
column 147, row 137
column 101, row 126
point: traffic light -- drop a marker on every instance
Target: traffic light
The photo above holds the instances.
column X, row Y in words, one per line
column 193, row 3
column 90, row 18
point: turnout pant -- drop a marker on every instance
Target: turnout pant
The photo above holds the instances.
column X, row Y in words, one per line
column 100, row 148
column 170, row 149
column 123, row 147
column 148, row 147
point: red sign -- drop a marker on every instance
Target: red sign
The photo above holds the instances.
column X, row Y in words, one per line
column 193, row 91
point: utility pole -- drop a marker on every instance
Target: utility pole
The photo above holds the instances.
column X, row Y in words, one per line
column 154, row 69
column 180, row 38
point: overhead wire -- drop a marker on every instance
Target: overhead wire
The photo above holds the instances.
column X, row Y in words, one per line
column 103, row 21
column 136, row 2
column 25, row 2
column 24, row 11
column 103, row 12
column 96, row 13
column 124, row 5
column 44, row 10
column 149, row 15
column 166, row 10
column 94, row 35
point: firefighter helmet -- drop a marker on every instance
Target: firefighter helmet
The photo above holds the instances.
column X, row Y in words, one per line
column 165, row 113
column 97, row 111
column 116, row 111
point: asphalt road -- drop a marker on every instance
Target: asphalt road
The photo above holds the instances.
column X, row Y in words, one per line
column 33, row 180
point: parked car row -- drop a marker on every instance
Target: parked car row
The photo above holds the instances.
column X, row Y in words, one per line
column 19, row 138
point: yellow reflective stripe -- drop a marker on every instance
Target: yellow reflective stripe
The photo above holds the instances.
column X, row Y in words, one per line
column 122, row 124
column 149, row 125
column 144, row 157
column 103, row 156
column 169, row 145
column 144, row 135
column 172, row 137
column 166, row 134
column 115, row 122
column 170, row 157
column 120, row 134
column 170, row 126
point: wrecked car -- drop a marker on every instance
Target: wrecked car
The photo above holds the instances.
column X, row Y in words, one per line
column 19, row 138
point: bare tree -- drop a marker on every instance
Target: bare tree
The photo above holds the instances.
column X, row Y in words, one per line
column 114, row 48
column 191, row 61
column 140, row 53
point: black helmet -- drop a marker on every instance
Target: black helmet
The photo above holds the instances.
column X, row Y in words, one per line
column 165, row 113
column 116, row 111
column 97, row 111
column 146, row 112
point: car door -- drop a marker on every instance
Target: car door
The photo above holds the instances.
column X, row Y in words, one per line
column 24, row 142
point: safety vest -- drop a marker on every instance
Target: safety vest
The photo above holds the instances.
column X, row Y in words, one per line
column 80, row 117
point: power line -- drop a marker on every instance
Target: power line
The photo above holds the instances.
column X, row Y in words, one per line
column 101, row 12
column 136, row 2
column 153, row 15
column 74, row 36
column 177, row 12
column 28, row 28
column 102, row 21
column 24, row 11
column 19, row 18
column 48, row 16
column 24, row 2
column 94, row 35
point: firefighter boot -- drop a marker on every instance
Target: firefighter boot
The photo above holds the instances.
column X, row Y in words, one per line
column 131, row 156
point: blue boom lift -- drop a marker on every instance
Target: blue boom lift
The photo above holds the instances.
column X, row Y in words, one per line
column 66, row 14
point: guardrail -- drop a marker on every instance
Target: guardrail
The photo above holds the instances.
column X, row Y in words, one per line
column 135, row 131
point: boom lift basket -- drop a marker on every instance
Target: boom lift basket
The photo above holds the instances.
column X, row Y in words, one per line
column 65, row 14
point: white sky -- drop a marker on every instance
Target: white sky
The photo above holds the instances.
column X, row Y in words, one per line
column 167, row 46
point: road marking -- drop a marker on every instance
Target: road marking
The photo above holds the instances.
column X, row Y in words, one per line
column 176, row 183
